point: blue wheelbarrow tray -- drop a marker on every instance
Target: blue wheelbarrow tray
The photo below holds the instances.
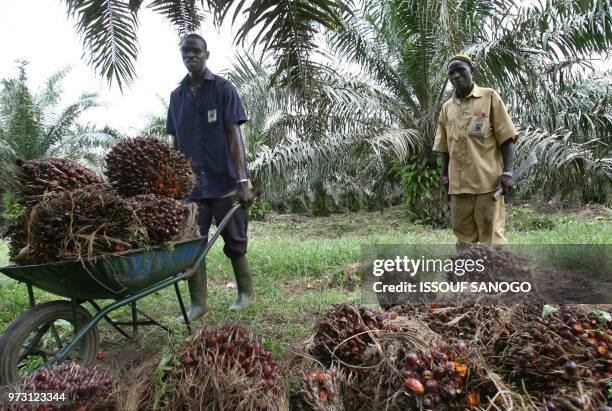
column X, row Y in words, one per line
column 111, row 276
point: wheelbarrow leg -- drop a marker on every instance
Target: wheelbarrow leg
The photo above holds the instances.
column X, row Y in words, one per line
column 182, row 305
column 89, row 325
column 31, row 295
column 134, row 319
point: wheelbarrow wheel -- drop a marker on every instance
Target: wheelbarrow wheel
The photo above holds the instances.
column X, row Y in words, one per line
column 38, row 335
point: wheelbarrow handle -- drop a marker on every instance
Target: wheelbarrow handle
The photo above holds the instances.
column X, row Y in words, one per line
column 211, row 241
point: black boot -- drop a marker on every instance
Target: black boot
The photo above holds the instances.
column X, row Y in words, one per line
column 197, row 291
column 244, row 284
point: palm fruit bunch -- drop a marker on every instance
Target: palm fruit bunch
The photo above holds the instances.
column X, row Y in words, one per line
column 162, row 217
column 465, row 320
column 345, row 332
column 436, row 377
column 83, row 223
column 499, row 263
column 146, row 165
column 554, row 354
column 320, row 390
column 37, row 177
column 84, row 387
column 17, row 231
column 225, row 367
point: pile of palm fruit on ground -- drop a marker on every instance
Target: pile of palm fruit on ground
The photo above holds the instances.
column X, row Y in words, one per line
column 223, row 367
column 435, row 356
column 442, row 356
column 76, row 387
column 71, row 212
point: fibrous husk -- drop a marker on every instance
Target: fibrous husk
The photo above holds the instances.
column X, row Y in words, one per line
column 37, row 177
column 82, row 223
column 17, row 232
column 189, row 227
column 223, row 368
column 84, row 387
column 563, row 357
column 499, row 264
column 345, row 334
column 146, row 165
column 319, row 390
column 399, row 363
column 465, row 320
column 440, row 377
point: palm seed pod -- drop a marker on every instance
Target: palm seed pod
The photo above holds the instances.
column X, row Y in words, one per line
column 84, row 387
column 83, row 223
column 563, row 357
column 37, row 177
column 146, row 165
column 162, row 217
column 320, row 390
column 226, row 368
column 345, row 332
column 17, row 232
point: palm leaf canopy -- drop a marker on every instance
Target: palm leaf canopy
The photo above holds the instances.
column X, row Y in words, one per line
column 109, row 30
column 37, row 124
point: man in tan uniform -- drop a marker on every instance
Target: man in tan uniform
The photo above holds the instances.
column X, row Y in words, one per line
column 476, row 138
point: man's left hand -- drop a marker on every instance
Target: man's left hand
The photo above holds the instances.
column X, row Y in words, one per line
column 244, row 194
column 506, row 183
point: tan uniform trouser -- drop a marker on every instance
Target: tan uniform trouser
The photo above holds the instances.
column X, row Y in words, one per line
column 477, row 218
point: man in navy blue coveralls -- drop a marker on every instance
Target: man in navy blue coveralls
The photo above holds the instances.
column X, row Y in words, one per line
column 204, row 117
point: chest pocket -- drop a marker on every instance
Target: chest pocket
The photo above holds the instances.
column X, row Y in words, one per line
column 480, row 125
column 212, row 115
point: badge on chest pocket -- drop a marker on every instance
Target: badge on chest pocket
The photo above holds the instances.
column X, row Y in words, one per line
column 478, row 126
column 212, row 116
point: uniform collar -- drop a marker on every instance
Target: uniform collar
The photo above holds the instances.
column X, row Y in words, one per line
column 476, row 93
column 208, row 75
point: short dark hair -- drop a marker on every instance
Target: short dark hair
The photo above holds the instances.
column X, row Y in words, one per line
column 195, row 36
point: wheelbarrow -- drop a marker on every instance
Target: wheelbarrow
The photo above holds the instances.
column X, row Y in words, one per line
column 55, row 331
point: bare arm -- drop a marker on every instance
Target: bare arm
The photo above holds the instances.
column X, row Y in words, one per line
column 444, row 170
column 243, row 192
column 507, row 150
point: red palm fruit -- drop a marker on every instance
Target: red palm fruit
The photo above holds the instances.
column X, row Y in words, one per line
column 473, row 398
column 426, row 375
column 431, row 386
column 412, row 359
column 414, row 385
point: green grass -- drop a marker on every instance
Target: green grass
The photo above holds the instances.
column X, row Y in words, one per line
column 3, row 253
column 298, row 266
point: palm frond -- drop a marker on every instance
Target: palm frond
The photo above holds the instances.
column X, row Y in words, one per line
column 66, row 119
column 109, row 32
column 288, row 29
column 19, row 116
column 31, row 128
column 185, row 15
column 87, row 145
column 7, row 162
column 50, row 95
column 564, row 165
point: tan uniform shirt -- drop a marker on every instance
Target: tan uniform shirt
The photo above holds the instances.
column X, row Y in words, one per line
column 471, row 131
